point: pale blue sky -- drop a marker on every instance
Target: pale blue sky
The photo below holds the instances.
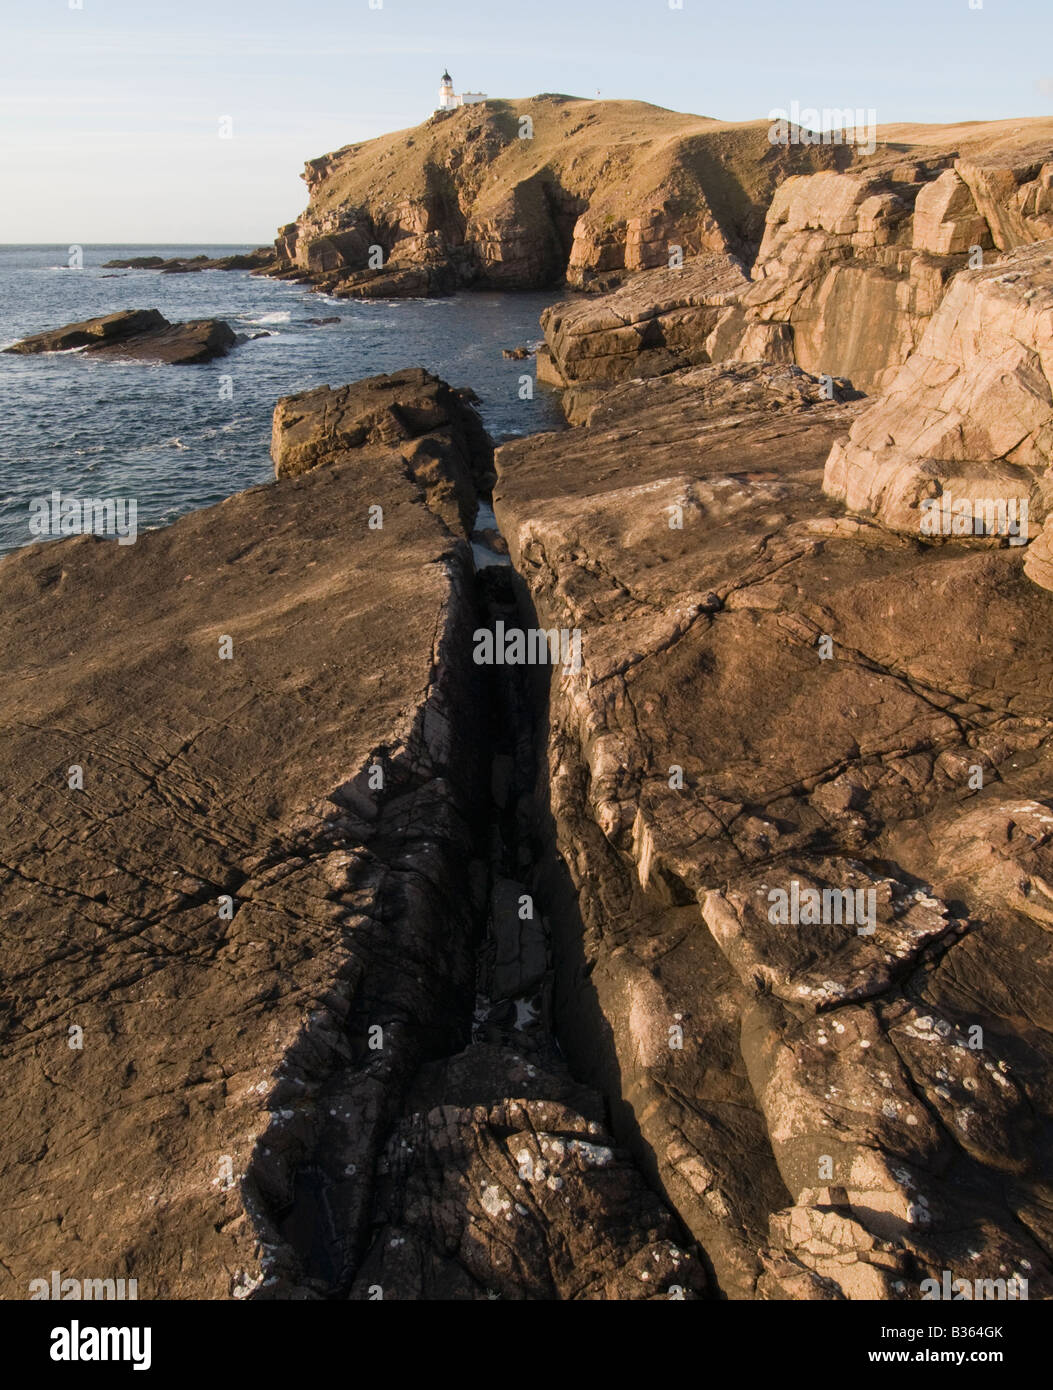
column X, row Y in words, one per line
column 109, row 114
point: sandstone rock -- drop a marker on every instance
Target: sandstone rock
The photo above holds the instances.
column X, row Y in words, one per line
column 223, row 1094
column 1013, row 193
column 946, row 220
column 518, row 194
column 396, row 282
column 841, row 266
column 1038, row 560
column 852, row 266
column 968, row 418
column 240, row 947
column 142, row 334
column 854, row 263
column 657, row 322
column 527, row 1199
column 773, row 692
column 437, row 434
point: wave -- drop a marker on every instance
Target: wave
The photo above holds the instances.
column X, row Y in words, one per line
column 279, row 316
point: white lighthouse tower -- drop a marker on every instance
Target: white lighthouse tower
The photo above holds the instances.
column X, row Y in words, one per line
column 447, row 99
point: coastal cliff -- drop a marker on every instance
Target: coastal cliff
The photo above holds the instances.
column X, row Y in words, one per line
column 831, row 255
column 522, row 194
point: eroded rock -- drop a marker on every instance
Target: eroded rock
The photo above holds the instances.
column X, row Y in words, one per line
column 436, row 432
column 774, row 692
column 141, row 334
column 968, row 421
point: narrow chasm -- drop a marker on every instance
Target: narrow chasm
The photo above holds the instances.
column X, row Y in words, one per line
column 500, row 1178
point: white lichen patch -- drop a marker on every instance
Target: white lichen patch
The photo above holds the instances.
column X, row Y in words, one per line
column 493, row 1201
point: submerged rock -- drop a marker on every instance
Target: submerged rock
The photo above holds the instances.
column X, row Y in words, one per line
column 260, row 259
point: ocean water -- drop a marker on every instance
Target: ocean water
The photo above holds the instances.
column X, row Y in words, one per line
column 176, row 438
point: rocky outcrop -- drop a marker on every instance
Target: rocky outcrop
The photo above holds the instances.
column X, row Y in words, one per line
column 141, row 334
column 854, row 265
column 965, row 432
column 434, row 433
column 653, row 324
column 799, row 798
column 842, row 268
column 519, row 194
column 851, row 268
column 264, row 946
column 523, row 1199
column 260, row 259
column 254, row 869
column 1013, row 193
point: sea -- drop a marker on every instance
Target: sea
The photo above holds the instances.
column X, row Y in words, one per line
column 179, row 437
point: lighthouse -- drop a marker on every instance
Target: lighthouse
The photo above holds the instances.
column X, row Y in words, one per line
column 449, row 100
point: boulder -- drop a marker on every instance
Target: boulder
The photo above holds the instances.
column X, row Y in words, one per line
column 1013, row 192
column 658, row 321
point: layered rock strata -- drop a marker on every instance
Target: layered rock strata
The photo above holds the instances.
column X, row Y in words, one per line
column 140, row 334
column 852, row 266
column 965, row 431
column 437, row 435
column 519, row 194
column 253, row 901
column 800, row 799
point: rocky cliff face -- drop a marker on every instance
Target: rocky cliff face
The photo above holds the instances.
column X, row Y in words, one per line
column 969, row 416
column 342, row 963
column 223, row 873
column 852, row 265
column 519, row 194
